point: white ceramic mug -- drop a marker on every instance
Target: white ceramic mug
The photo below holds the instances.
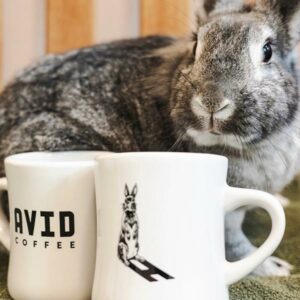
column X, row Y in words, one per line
column 161, row 227
column 52, row 238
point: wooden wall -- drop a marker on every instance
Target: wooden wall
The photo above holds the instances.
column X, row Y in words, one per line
column 69, row 24
column 30, row 29
column 165, row 16
column 23, row 38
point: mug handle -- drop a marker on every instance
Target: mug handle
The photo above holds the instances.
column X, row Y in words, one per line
column 237, row 197
column 4, row 224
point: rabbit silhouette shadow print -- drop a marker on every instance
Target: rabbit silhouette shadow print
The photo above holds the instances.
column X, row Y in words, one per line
column 128, row 247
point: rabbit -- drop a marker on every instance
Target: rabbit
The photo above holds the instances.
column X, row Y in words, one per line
column 231, row 88
column 128, row 247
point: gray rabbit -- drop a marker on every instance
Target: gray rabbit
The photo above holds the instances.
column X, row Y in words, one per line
column 231, row 89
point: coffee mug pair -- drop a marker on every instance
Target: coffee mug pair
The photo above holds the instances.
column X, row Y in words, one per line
column 159, row 232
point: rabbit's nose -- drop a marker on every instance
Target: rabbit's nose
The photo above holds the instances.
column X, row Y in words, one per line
column 217, row 109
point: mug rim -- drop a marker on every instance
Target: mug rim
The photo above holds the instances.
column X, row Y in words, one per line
column 158, row 154
column 42, row 158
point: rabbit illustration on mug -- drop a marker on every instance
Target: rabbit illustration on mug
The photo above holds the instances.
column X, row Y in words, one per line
column 231, row 88
column 128, row 247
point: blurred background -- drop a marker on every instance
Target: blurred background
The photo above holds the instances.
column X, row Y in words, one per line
column 33, row 28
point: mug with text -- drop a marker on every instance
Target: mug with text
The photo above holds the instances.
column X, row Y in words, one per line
column 160, row 228
column 52, row 232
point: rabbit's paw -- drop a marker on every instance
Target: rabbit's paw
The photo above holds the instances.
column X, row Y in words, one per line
column 273, row 266
column 283, row 200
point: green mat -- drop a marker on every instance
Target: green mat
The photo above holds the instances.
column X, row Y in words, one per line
column 257, row 226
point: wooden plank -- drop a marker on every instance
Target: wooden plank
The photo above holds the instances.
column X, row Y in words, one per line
column 69, row 24
column 116, row 19
column 23, row 35
column 165, row 17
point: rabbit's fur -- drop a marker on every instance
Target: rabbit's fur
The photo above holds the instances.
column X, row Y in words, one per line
column 158, row 93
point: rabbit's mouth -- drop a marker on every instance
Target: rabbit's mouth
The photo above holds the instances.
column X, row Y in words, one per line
column 210, row 138
column 214, row 132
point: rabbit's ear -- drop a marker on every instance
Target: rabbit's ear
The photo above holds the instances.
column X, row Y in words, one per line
column 229, row 5
column 134, row 190
column 204, row 8
column 126, row 191
column 289, row 13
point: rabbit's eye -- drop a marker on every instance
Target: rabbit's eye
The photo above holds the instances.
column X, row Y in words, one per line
column 267, row 52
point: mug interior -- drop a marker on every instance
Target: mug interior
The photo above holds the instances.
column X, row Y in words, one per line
column 54, row 158
column 163, row 155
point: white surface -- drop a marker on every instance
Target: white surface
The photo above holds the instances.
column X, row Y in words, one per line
column 36, row 272
column 180, row 207
column 23, row 35
column 116, row 19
